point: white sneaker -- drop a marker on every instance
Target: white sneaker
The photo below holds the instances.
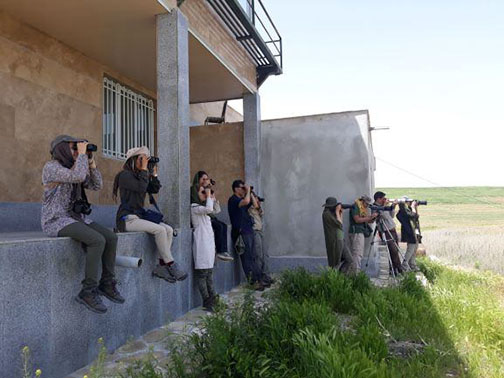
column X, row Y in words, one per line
column 225, row 256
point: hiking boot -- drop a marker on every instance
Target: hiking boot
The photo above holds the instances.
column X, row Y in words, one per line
column 225, row 256
column 92, row 301
column 109, row 291
column 258, row 286
column 175, row 272
column 161, row 272
column 208, row 304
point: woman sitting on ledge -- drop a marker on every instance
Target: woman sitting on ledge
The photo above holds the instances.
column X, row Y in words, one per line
column 71, row 170
column 133, row 183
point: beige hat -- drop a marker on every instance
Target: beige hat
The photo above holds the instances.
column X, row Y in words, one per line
column 366, row 199
column 137, row 151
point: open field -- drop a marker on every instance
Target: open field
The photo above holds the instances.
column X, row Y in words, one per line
column 463, row 226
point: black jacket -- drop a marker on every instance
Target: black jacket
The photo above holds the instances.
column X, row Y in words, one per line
column 132, row 190
column 406, row 217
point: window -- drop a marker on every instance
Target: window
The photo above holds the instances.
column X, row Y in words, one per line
column 128, row 120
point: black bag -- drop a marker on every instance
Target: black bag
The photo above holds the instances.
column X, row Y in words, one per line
column 152, row 215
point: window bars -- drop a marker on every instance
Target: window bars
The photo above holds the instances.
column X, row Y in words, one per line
column 128, row 120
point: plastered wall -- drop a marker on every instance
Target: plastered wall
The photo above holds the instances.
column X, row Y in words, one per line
column 303, row 161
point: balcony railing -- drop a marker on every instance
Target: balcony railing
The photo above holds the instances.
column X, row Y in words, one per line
column 253, row 28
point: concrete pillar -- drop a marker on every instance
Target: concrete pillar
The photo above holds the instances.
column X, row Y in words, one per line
column 173, row 117
column 252, row 139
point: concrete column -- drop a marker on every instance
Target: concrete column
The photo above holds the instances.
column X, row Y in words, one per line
column 173, row 117
column 252, row 139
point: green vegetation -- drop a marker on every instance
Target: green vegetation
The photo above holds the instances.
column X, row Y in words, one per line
column 453, row 195
column 328, row 325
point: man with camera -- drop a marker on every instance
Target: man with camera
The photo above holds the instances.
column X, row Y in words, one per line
column 256, row 212
column 387, row 229
column 71, row 171
column 410, row 231
column 360, row 230
column 242, row 232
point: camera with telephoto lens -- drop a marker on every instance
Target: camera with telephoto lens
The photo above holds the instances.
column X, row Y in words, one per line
column 90, row 147
column 81, row 206
column 381, row 208
column 344, row 206
column 409, row 200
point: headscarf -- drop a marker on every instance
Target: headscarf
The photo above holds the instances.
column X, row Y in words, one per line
column 195, row 188
column 129, row 165
column 63, row 154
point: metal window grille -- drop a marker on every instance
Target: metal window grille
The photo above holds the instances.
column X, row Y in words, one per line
column 128, row 120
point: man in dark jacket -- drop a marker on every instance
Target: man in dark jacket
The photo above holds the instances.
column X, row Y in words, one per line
column 408, row 217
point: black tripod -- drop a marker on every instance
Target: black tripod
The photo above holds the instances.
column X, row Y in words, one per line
column 384, row 232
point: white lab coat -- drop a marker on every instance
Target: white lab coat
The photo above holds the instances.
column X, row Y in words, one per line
column 203, row 235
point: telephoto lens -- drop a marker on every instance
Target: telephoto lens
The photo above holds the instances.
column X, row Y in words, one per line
column 345, row 206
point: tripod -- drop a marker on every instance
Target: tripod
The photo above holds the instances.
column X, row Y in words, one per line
column 384, row 233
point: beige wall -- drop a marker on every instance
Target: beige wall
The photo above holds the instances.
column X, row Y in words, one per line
column 48, row 88
column 207, row 26
column 199, row 112
column 218, row 150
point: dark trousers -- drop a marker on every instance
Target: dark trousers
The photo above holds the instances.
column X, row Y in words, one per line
column 204, row 280
column 248, row 258
column 220, row 235
column 392, row 244
column 101, row 245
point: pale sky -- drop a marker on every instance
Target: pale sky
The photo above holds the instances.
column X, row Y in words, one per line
column 432, row 71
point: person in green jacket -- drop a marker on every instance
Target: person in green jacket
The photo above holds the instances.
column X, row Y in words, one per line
column 333, row 231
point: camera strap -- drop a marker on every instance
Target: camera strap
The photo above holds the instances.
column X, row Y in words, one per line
column 152, row 200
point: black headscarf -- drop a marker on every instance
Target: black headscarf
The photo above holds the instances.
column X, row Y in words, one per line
column 63, row 154
column 195, row 188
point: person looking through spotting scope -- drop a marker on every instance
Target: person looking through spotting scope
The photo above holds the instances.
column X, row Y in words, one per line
column 389, row 233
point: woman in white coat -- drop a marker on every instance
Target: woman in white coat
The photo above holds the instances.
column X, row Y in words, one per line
column 204, row 245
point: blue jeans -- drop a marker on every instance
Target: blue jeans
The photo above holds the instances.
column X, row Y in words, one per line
column 249, row 258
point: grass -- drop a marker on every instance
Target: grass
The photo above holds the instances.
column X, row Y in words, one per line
column 329, row 325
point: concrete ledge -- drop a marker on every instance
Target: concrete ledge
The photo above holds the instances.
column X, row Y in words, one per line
column 310, row 263
column 39, row 279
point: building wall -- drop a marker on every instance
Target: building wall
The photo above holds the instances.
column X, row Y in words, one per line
column 218, row 150
column 305, row 160
column 49, row 89
column 207, row 26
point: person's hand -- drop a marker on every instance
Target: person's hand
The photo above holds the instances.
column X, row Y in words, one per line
column 414, row 204
column 155, row 171
column 144, row 160
column 374, row 216
column 208, row 191
column 247, row 188
column 92, row 163
column 82, row 147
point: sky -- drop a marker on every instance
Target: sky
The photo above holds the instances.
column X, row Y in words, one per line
column 431, row 71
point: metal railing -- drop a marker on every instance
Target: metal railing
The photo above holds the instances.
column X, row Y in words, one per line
column 128, row 120
column 252, row 26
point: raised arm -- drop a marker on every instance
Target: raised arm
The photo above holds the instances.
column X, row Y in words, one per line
column 94, row 181
column 56, row 173
column 204, row 210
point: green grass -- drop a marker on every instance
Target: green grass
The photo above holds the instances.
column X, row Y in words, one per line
column 450, row 195
column 458, row 320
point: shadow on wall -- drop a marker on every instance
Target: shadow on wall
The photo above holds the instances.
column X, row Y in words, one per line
column 303, row 161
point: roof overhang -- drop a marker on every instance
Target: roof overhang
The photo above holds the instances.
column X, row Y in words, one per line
column 121, row 34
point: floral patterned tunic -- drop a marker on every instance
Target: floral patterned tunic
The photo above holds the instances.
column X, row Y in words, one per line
column 58, row 183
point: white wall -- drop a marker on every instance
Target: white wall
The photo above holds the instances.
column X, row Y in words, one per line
column 303, row 161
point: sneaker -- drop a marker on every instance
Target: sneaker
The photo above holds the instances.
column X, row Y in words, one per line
column 110, row 292
column 225, row 256
column 162, row 272
column 175, row 272
column 92, row 301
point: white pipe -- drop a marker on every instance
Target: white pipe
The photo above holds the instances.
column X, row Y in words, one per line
column 128, row 261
